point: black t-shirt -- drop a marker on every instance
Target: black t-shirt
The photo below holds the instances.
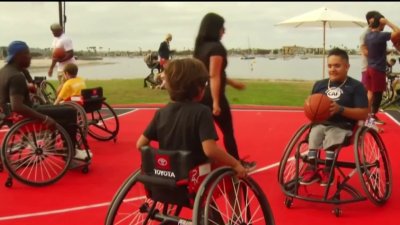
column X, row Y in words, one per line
column 183, row 126
column 13, row 82
column 207, row 50
column 163, row 50
column 351, row 94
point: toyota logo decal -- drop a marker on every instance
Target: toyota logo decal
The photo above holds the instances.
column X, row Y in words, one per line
column 162, row 162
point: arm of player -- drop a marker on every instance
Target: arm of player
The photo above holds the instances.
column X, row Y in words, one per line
column 212, row 151
column 352, row 113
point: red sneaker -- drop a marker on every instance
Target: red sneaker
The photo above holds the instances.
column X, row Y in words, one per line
column 309, row 176
column 325, row 179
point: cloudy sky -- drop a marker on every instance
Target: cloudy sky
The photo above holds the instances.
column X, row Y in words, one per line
column 143, row 25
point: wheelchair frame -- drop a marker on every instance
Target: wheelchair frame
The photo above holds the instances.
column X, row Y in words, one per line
column 218, row 186
column 91, row 119
column 376, row 184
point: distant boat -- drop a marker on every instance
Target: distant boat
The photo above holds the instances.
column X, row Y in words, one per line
column 245, row 57
column 272, row 57
column 303, row 57
column 250, row 55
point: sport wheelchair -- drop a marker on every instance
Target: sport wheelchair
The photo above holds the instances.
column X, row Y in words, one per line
column 45, row 91
column 38, row 155
column 391, row 97
column 152, row 63
column 167, row 182
column 95, row 116
column 371, row 163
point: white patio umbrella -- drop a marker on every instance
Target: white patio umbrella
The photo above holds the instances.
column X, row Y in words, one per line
column 323, row 17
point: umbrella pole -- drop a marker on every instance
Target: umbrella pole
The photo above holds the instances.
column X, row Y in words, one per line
column 323, row 53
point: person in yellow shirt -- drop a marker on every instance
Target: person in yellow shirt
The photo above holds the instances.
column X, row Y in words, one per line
column 73, row 84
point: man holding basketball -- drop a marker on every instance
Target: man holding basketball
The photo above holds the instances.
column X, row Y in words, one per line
column 60, row 43
column 349, row 104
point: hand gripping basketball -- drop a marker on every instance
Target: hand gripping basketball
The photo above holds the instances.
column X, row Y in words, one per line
column 316, row 107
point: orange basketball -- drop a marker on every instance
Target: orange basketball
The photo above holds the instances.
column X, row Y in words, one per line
column 58, row 53
column 317, row 107
column 396, row 42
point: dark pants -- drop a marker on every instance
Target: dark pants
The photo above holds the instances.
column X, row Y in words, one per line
column 224, row 122
column 63, row 115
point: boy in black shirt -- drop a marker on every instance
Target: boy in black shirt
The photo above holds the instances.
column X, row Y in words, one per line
column 185, row 124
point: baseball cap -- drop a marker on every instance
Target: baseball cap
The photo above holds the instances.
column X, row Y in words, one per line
column 14, row 48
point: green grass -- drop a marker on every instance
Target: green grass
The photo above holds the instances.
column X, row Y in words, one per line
column 257, row 92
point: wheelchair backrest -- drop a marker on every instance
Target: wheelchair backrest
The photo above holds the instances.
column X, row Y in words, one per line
column 92, row 98
column 162, row 171
column 38, row 80
column 92, row 93
column 166, row 164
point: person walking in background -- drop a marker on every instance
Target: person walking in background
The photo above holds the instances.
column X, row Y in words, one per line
column 376, row 42
column 209, row 49
column 60, row 41
column 363, row 47
column 164, row 51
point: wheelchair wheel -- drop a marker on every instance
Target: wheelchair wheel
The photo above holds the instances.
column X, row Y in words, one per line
column 81, row 116
column 36, row 100
column 131, row 206
column 36, row 155
column 229, row 200
column 292, row 165
column 373, row 165
column 387, row 95
column 48, row 91
column 103, row 124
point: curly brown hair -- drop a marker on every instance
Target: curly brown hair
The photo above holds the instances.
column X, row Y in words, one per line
column 185, row 79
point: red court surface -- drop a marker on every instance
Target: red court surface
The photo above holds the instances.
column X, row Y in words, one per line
column 83, row 199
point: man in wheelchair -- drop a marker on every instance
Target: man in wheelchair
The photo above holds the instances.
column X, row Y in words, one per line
column 349, row 105
column 185, row 124
column 14, row 94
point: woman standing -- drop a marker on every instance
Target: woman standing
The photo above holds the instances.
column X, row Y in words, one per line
column 209, row 49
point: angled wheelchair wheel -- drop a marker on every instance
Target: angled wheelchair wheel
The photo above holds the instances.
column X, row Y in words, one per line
column 36, row 155
column 131, row 206
column 387, row 95
column 81, row 116
column 36, row 100
column 292, row 165
column 373, row 165
column 103, row 124
column 225, row 199
column 48, row 91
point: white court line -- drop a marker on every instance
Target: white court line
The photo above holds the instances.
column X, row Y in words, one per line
column 391, row 117
column 66, row 210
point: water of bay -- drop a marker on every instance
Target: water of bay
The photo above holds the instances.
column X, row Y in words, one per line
column 258, row 68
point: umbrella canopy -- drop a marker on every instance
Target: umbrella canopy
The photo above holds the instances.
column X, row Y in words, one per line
column 323, row 17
